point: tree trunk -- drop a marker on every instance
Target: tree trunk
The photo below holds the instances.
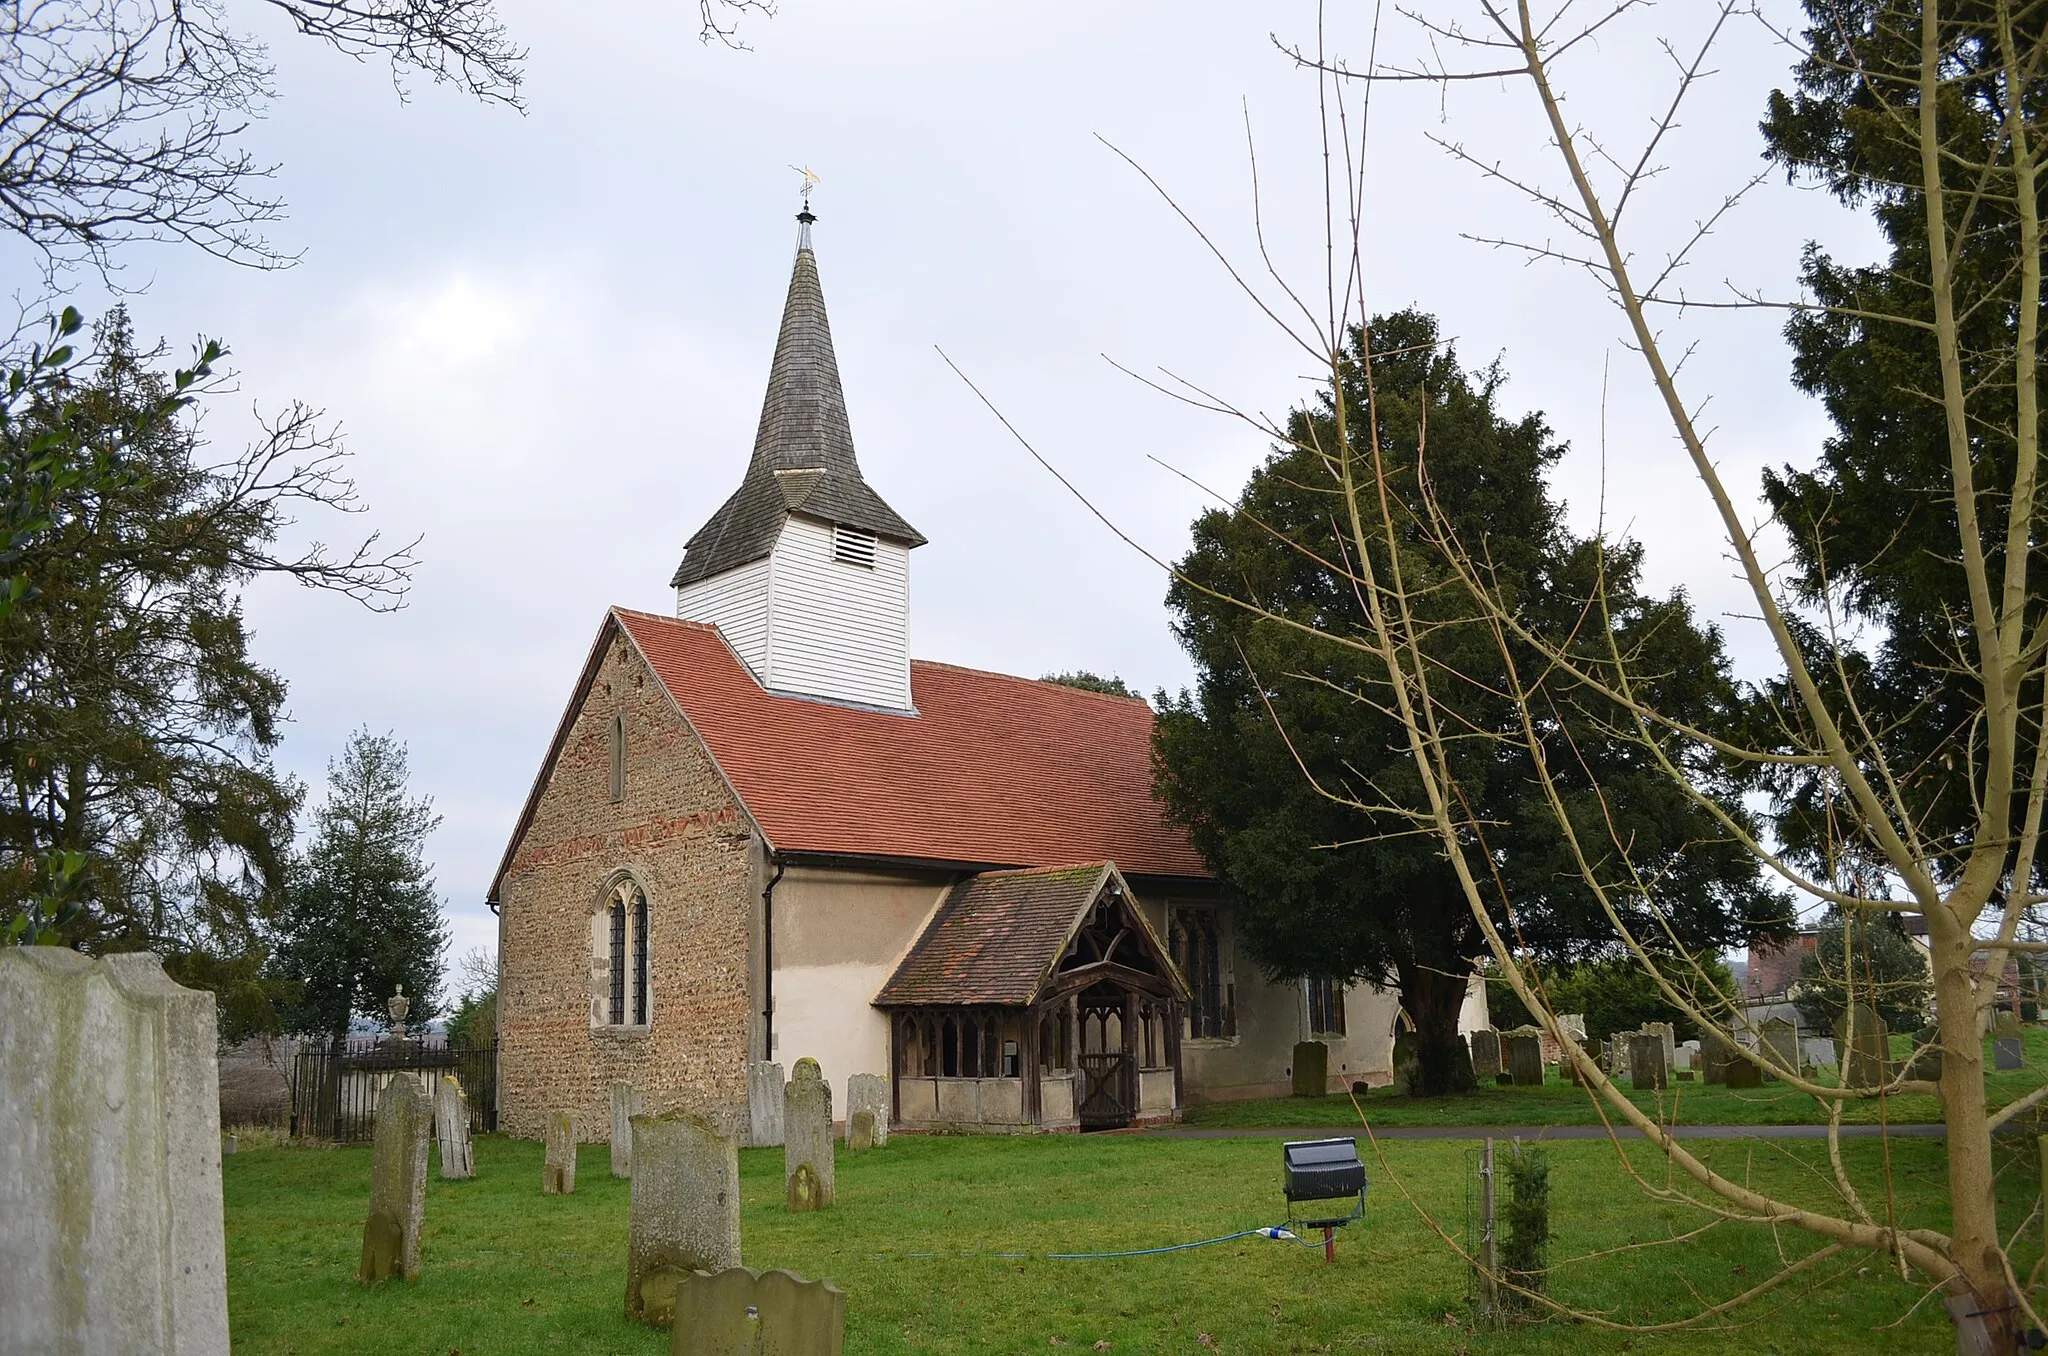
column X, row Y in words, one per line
column 1973, row 1223
column 1432, row 998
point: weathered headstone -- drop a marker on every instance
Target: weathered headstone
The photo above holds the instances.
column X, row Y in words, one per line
column 1717, row 1056
column 1926, row 1063
column 1407, row 1065
column 1312, row 1068
column 398, row 1183
column 1668, row 1035
column 2008, row 1046
column 1743, row 1071
column 1485, row 1044
column 740, row 1312
column 1617, row 1054
column 1867, row 1049
column 110, row 1199
column 807, row 1138
column 1646, row 1066
column 1688, row 1055
column 626, row 1105
column 1523, row 1049
column 558, row 1160
column 451, row 1128
column 686, row 1210
column 764, row 1105
column 1780, row 1037
column 867, row 1111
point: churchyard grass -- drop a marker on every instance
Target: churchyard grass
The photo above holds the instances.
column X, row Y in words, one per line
column 1557, row 1102
column 510, row 1272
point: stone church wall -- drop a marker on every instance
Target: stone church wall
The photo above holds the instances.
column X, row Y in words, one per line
column 679, row 832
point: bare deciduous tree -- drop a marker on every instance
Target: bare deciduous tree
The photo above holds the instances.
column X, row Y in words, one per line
column 1906, row 56
column 124, row 120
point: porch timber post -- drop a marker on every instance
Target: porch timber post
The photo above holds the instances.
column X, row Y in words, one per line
column 1027, row 1046
column 1173, row 1021
column 896, row 1020
column 1132, row 1055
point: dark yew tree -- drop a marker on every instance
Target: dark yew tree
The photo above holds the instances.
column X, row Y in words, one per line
column 1874, row 523
column 135, row 725
column 1277, row 761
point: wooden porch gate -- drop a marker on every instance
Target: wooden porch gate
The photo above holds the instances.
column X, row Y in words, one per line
column 1109, row 1090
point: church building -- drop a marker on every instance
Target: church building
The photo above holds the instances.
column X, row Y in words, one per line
column 763, row 831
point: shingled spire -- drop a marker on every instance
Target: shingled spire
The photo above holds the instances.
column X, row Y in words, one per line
column 803, row 460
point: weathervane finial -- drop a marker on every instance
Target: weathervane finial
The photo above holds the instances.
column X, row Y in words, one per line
column 810, row 182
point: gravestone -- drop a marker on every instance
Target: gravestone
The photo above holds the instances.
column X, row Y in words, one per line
column 2008, row 1046
column 398, row 1183
column 1666, row 1033
column 1819, row 1051
column 110, row 1199
column 626, row 1105
column 1524, row 1051
column 1617, row 1054
column 1780, row 1037
column 1485, row 1044
column 1867, row 1052
column 451, row 1128
column 1743, row 1071
column 807, row 1138
column 1717, row 1056
column 1312, row 1068
column 867, row 1111
column 764, row 1105
column 558, row 1160
column 1647, row 1069
column 740, row 1312
column 686, row 1210
column 1926, row 1055
column 1407, row 1065
column 1688, row 1055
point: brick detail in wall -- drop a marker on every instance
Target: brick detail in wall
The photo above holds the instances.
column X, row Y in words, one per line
column 684, row 838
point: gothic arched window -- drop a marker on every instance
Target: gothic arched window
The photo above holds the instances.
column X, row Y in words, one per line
column 624, row 958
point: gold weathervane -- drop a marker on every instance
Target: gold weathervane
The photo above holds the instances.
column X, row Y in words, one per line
column 810, row 182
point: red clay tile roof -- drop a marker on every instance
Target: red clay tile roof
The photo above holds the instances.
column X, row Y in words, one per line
column 995, row 937
column 992, row 770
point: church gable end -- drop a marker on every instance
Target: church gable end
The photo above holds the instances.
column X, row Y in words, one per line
column 627, row 903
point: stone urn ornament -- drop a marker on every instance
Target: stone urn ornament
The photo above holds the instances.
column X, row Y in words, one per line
column 398, row 1007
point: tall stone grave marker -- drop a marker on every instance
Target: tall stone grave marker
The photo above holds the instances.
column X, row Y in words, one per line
column 807, row 1138
column 1926, row 1062
column 686, row 1210
column 451, row 1128
column 1717, row 1055
column 867, row 1111
column 1780, row 1038
column 110, row 1200
column 1485, row 1044
column 1407, row 1065
column 2008, row 1046
column 1668, row 1034
column 1867, row 1052
column 626, row 1105
column 1524, row 1050
column 1312, row 1069
column 1646, row 1065
column 1617, row 1054
column 558, row 1161
column 741, row 1312
column 764, row 1105
column 398, row 1183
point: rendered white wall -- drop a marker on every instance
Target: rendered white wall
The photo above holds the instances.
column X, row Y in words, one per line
column 736, row 602
column 837, row 630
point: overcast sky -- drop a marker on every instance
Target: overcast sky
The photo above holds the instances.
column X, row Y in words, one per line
column 546, row 336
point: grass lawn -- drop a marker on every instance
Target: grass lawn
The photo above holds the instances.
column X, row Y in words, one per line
column 510, row 1272
column 1557, row 1102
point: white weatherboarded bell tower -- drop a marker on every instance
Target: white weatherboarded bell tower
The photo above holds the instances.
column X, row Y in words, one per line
column 804, row 570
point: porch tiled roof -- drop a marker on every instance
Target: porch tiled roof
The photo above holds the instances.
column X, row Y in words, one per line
column 995, row 938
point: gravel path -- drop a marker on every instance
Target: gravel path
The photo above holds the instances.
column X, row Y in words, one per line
column 1538, row 1132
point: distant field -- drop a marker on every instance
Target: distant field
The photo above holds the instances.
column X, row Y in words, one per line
column 509, row 1272
column 1559, row 1103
